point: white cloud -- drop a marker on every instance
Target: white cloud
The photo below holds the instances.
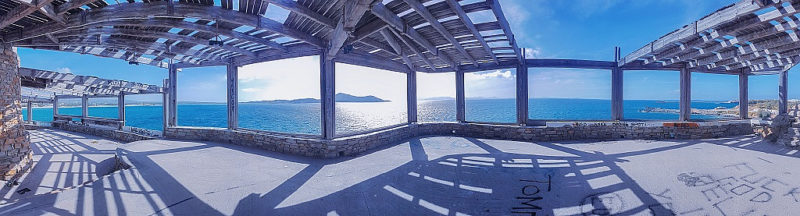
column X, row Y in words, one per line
column 64, row 70
column 489, row 75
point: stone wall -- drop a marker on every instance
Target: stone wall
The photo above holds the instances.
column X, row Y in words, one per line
column 15, row 147
column 100, row 131
column 315, row 147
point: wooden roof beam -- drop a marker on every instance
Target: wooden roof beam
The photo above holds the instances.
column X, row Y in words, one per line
column 351, row 14
column 471, row 26
column 400, row 26
column 397, row 47
column 422, row 11
column 21, row 11
column 169, row 36
column 304, row 11
column 72, row 4
column 501, row 18
column 413, row 48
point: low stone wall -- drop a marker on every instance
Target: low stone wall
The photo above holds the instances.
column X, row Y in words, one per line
column 313, row 146
column 100, row 131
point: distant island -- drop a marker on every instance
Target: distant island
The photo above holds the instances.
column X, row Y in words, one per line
column 340, row 97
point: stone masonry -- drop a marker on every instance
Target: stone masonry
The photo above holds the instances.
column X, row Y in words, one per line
column 313, row 146
column 15, row 150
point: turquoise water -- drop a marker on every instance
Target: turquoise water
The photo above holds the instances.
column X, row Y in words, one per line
column 354, row 117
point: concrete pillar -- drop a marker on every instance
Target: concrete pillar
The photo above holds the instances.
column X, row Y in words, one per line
column 783, row 90
column 172, row 119
column 411, row 95
column 617, row 108
column 15, row 147
column 165, row 106
column 460, row 100
column 327, row 73
column 743, row 97
column 686, row 94
column 30, row 111
column 121, row 108
column 522, row 93
column 233, row 96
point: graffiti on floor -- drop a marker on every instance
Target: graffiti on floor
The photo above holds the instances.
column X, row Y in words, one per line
column 528, row 201
column 738, row 192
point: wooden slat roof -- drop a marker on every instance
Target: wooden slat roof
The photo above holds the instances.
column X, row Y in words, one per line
column 750, row 36
column 42, row 85
column 185, row 32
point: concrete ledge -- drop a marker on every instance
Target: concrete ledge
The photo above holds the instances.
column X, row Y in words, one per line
column 314, row 146
column 101, row 131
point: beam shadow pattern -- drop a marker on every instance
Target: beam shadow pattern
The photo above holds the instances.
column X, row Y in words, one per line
column 438, row 176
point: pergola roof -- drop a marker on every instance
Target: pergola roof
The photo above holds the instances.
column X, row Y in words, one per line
column 42, row 86
column 750, row 36
column 427, row 35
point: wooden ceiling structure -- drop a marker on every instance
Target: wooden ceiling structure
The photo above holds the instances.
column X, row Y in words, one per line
column 43, row 86
column 396, row 35
column 749, row 36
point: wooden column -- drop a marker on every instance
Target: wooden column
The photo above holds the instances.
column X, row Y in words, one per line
column 30, row 111
column 743, row 97
column 783, row 89
column 686, row 94
column 55, row 107
column 233, row 96
column 84, row 107
column 411, row 95
column 172, row 110
column 460, row 103
column 522, row 93
column 327, row 79
column 165, row 106
column 617, row 108
column 121, row 107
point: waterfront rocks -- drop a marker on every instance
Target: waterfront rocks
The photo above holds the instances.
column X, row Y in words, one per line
column 314, row 146
column 15, row 150
column 776, row 128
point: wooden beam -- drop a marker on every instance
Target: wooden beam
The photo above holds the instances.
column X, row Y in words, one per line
column 414, row 49
column 617, row 108
column 49, row 11
column 570, row 63
column 172, row 88
column 304, row 11
column 388, row 36
column 165, row 35
column 422, row 11
column 121, row 108
column 743, row 97
column 411, row 96
column 686, row 94
column 21, row 11
column 29, row 111
column 165, row 114
column 72, row 4
column 351, row 14
column 460, row 100
column 401, row 27
column 327, row 70
column 783, row 90
column 471, row 26
column 233, row 96
column 522, row 94
column 501, row 19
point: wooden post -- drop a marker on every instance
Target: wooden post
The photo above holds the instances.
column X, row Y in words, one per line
column 84, row 107
column 55, row 107
column 327, row 72
column 686, row 94
column 460, row 101
column 783, row 88
column 743, row 97
column 233, row 96
column 165, row 106
column 617, row 108
column 173, row 96
column 522, row 92
column 29, row 111
column 121, row 108
column 411, row 95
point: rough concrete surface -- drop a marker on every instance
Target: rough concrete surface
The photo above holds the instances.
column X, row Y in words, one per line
column 444, row 176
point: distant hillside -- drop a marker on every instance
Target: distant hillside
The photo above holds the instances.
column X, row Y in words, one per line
column 341, row 97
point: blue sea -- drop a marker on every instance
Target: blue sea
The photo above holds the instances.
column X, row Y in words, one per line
column 355, row 117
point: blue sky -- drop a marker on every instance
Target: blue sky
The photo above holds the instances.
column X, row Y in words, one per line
column 579, row 29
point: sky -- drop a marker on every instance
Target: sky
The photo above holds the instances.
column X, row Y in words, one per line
column 576, row 29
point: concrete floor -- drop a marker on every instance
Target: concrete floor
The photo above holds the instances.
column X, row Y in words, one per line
column 436, row 176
